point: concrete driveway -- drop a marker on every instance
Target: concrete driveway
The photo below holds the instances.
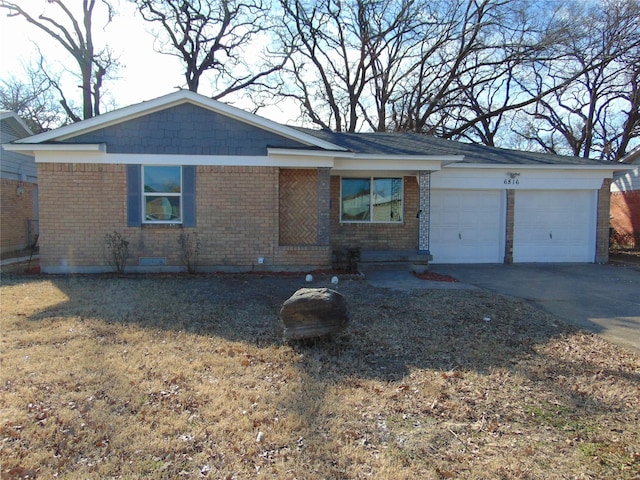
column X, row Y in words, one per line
column 604, row 299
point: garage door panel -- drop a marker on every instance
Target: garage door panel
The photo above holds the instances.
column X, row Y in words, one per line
column 554, row 226
column 467, row 226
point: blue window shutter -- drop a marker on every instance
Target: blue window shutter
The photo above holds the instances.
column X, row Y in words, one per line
column 134, row 196
column 189, row 196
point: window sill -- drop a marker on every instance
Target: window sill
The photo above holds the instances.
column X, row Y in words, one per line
column 162, row 225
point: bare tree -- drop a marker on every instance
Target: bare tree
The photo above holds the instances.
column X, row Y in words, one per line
column 348, row 57
column 437, row 67
column 75, row 34
column 597, row 114
column 213, row 36
column 34, row 101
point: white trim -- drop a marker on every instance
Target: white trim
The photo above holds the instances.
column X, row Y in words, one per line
column 172, row 100
column 58, row 147
column 145, row 194
column 614, row 167
column 540, row 178
column 352, row 162
column 165, row 159
column 390, row 163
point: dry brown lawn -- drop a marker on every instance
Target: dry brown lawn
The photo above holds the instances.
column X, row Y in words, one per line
column 188, row 377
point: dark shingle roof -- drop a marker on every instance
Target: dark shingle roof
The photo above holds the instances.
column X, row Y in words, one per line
column 397, row 143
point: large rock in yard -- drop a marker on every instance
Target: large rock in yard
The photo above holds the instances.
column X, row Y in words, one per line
column 313, row 312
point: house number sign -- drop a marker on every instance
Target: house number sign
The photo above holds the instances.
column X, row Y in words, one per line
column 512, row 178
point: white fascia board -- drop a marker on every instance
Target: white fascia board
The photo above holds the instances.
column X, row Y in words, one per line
column 614, row 167
column 374, row 173
column 386, row 163
column 34, row 149
column 214, row 160
column 444, row 159
column 168, row 101
column 349, row 161
column 164, row 159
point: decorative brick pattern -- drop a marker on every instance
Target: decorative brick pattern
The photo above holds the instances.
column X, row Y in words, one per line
column 16, row 210
column 298, row 207
column 377, row 236
column 424, row 181
column 238, row 220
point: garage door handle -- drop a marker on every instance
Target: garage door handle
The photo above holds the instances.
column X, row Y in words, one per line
column 460, row 236
column 550, row 236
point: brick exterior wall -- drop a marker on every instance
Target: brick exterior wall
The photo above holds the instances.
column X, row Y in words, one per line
column 625, row 218
column 79, row 204
column 237, row 221
column 380, row 236
column 15, row 210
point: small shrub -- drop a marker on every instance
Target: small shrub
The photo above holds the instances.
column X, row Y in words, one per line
column 346, row 259
column 624, row 241
column 190, row 248
column 116, row 251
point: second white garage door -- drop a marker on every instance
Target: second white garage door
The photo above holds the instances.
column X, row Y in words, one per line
column 467, row 226
column 554, row 226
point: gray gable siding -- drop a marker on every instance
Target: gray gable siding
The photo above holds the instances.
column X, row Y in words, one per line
column 186, row 129
column 14, row 165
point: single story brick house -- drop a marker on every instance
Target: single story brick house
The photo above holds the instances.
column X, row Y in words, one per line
column 265, row 196
column 18, row 189
column 625, row 203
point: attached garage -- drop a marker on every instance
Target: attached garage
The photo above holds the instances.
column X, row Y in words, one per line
column 554, row 226
column 467, row 226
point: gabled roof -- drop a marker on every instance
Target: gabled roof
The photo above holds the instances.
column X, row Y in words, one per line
column 633, row 157
column 416, row 144
column 13, row 124
column 171, row 100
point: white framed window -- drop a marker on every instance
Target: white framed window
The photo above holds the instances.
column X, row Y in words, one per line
column 162, row 194
column 371, row 200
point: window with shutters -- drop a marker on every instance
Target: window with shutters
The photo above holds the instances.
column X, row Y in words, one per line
column 161, row 194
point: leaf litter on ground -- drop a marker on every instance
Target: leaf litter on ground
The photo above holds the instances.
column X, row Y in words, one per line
column 189, row 377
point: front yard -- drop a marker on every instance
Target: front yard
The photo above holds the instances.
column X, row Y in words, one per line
column 188, row 377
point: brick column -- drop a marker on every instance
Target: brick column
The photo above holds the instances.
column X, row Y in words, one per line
column 324, row 207
column 424, row 185
column 508, row 244
column 602, row 229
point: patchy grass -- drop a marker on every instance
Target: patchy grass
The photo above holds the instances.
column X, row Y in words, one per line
column 188, row 377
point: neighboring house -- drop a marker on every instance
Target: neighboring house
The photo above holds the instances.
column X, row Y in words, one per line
column 18, row 189
column 264, row 196
column 625, row 203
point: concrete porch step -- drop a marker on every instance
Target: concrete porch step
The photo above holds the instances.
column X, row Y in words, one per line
column 389, row 260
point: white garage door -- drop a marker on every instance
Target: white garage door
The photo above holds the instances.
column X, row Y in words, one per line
column 467, row 226
column 554, row 226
